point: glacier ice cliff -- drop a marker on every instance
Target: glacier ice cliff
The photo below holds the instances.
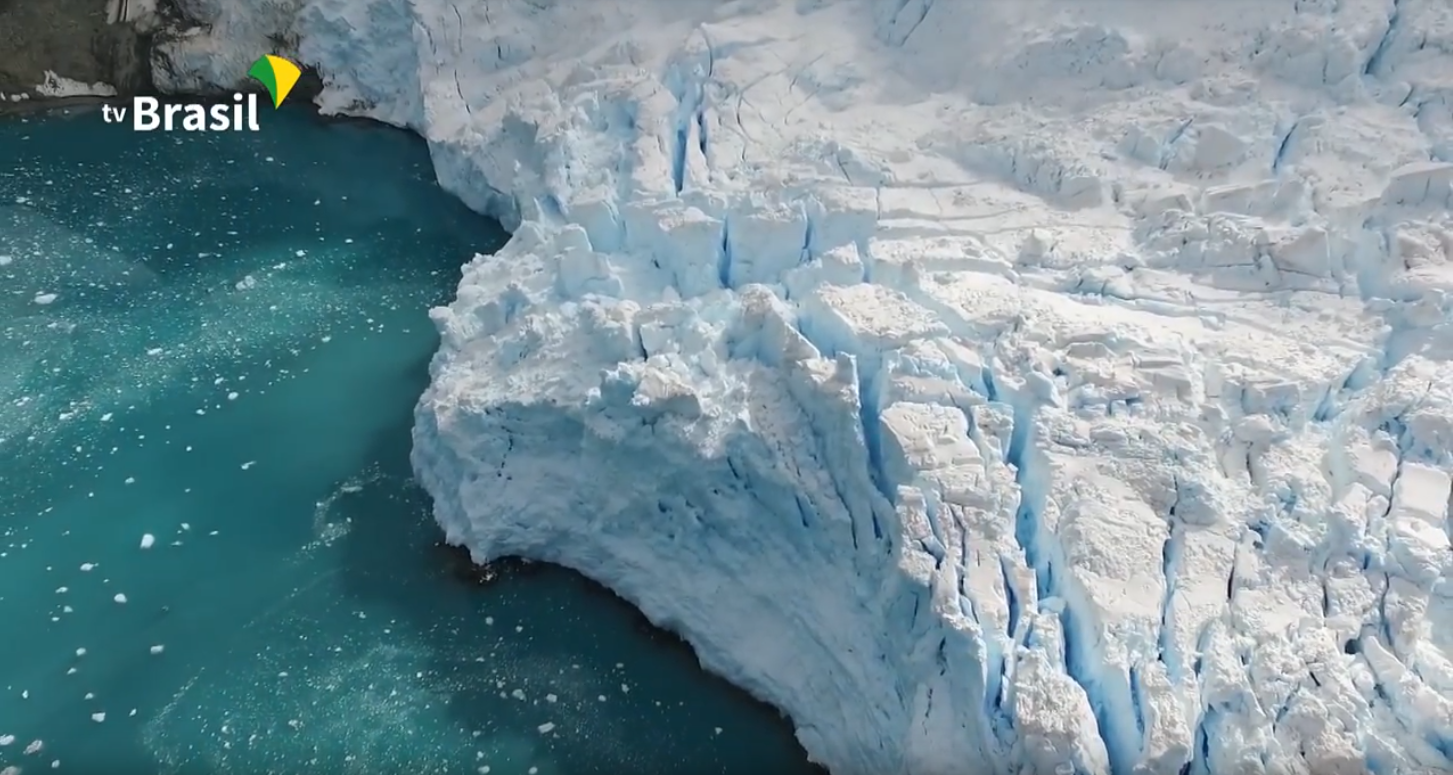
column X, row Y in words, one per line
column 1042, row 387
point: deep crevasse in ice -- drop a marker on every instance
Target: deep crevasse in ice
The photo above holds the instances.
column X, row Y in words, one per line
column 1057, row 386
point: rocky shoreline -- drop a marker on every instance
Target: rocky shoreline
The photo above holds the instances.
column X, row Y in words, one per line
column 76, row 39
column 110, row 43
column 85, row 103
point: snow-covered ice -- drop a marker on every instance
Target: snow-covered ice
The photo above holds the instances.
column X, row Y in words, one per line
column 60, row 86
column 1047, row 386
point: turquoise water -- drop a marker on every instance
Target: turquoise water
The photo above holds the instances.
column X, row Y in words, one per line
column 216, row 341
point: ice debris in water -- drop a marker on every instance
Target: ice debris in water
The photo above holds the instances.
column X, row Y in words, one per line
column 147, row 541
column 1097, row 393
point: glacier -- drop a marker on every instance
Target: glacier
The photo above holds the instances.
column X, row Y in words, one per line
column 1036, row 387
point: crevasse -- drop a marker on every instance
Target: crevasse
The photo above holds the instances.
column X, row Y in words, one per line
column 1038, row 386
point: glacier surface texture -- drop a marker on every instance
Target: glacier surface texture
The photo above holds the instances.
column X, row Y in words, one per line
column 1037, row 386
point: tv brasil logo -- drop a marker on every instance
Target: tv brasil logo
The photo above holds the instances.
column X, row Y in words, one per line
column 276, row 74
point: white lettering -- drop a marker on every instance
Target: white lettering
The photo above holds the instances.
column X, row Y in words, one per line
column 145, row 119
column 220, row 119
column 196, row 119
column 150, row 113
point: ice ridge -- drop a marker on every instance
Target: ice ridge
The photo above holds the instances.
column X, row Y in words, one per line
column 1040, row 387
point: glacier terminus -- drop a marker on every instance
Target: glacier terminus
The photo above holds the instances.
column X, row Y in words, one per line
column 1037, row 386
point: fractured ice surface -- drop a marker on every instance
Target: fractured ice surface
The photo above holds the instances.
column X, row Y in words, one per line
column 1059, row 386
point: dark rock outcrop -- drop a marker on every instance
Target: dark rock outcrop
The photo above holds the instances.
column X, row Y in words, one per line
column 84, row 40
column 128, row 45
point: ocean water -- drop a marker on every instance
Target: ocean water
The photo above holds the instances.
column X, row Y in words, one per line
column 212, row 558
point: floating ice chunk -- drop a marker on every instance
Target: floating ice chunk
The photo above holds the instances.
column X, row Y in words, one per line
column 7, row 740
column 44, row 298
column 98, row 717
column 148, row 540
column 120, row 598
column 546, row 728
column 157, row 649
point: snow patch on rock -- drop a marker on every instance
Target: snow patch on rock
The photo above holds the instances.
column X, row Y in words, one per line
column 61, row 86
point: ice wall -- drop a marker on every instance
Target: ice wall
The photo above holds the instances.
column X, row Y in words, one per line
column 1043, row 386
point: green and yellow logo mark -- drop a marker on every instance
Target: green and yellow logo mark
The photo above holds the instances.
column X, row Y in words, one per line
column 277, row 75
